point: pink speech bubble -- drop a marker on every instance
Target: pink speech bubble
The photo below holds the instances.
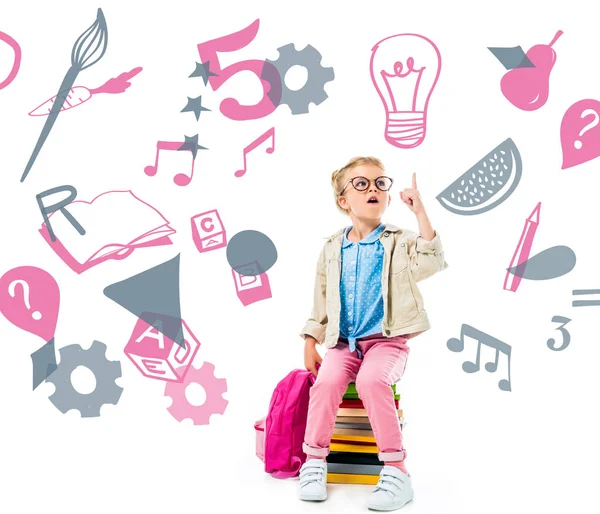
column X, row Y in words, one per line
column 580, row 133
column 29, row 299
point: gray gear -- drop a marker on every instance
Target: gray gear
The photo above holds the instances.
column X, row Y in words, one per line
column 65, row 396
column 312, row 91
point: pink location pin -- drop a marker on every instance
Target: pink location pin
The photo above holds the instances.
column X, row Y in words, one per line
column 29, row 299
column 580, row 133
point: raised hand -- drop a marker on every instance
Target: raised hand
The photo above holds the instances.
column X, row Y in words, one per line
column 412, row 198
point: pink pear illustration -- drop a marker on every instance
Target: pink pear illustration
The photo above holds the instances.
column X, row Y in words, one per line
column 528, row 88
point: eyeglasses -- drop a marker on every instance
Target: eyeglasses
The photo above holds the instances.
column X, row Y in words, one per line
column 362, row 184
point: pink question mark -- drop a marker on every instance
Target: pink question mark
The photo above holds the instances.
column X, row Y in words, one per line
column 36, row 315
column 33, row 306
column 579, row 140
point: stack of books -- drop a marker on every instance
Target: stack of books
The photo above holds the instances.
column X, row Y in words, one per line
column 353, row 451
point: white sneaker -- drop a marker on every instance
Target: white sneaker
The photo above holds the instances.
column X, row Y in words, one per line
column 393, row 491
column 313, row 480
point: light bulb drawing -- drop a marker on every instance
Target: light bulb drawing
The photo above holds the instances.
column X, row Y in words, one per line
column 405, row 69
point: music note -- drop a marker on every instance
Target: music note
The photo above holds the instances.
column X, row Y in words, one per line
column 181, row 179
column 458, row 345
column 269, row 133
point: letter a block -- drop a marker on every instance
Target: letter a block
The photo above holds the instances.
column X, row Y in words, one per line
column 157, row 356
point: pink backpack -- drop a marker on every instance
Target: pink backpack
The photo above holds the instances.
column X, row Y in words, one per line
column 286, row 423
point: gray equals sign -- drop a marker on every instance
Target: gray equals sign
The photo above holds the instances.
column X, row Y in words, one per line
column 585, row 303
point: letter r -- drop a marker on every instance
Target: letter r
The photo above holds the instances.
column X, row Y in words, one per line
column 59, row 206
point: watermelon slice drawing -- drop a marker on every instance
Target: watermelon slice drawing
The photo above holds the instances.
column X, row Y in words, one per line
column 486, row 184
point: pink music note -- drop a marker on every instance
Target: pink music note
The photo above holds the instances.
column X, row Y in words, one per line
column 181, row 179
column 269, row 133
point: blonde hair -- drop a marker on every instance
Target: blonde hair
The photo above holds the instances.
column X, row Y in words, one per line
column 338, row 177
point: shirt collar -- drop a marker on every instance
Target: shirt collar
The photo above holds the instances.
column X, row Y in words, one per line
column 371, row 238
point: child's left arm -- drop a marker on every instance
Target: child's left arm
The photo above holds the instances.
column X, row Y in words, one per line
column 425, row 250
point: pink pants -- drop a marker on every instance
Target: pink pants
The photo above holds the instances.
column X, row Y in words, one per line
column 383, row 364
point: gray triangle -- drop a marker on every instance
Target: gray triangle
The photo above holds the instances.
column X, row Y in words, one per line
column 44, row 363
column 153, row 296
column 512, row 58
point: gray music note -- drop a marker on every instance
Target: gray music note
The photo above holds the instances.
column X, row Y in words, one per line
column 458, row 345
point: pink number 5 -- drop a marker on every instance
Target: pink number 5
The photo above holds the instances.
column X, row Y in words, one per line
column 267, row 74
column 16, row 63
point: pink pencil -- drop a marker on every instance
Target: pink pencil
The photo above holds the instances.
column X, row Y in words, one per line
column 523, row 249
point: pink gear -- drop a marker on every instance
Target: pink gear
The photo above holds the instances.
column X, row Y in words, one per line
column 214, row 387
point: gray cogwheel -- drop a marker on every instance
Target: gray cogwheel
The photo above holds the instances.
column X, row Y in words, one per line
column 65, row 396
column 312, row 91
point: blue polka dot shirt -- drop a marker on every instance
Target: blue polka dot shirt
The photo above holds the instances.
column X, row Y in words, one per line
column 360, row 287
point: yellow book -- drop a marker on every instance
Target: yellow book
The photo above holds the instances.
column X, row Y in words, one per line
column 340, row 478
column 353, row 448
column 348, row 437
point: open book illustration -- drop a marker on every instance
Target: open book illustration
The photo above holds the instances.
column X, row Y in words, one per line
column 115, row 224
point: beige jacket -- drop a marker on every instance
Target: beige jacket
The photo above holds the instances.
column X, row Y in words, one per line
column 408, row 258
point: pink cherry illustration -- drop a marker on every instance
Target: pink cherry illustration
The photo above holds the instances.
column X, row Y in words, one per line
column 580, row 133
column 29, row 299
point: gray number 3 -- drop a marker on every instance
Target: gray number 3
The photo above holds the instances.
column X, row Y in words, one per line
column 565, row 333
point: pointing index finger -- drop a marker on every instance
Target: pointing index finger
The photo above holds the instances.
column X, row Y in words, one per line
column 414, row 180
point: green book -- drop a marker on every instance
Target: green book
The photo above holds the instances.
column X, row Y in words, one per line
column 351, row 393
column 353, row 469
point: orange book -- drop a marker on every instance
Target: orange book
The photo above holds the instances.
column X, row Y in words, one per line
column 363, row 438
column 353, row 448
column 352, row 419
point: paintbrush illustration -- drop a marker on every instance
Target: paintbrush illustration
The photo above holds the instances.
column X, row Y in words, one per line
column 87, row 51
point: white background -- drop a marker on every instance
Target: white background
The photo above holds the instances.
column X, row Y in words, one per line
column 472, row 448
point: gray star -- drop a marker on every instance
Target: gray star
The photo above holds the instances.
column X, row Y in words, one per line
column 191, row 144
column 195, row 105
column 203, row 70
